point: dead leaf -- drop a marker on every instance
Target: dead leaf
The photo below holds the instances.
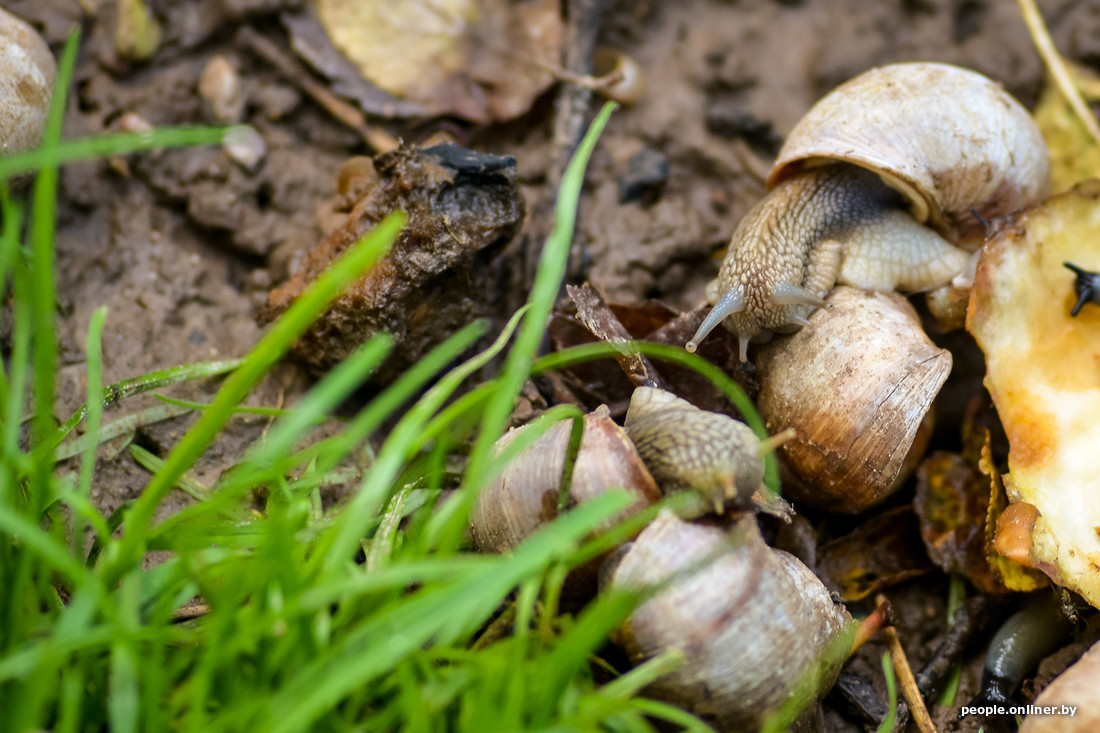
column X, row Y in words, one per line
column 1074, row 154
column 881, row 552
column 478, row 59
column 952, row 502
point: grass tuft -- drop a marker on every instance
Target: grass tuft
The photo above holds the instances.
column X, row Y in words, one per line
column 372, row 615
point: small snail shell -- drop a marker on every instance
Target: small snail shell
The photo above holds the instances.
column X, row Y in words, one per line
column 756, row 626
column 627, row 82
column 27, row 71
column 689, row 449
column 525, row 495
column 857, row 389
column 944, row 144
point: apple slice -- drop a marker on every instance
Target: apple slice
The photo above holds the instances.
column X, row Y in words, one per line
column 1044, row 374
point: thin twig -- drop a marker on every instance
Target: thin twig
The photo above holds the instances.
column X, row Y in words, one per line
column 380, row 140
column 1056, row 67
column 908, row 683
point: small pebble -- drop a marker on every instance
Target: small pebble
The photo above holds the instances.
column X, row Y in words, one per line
column 645, row 177
column 245, row 146
column 221, row 92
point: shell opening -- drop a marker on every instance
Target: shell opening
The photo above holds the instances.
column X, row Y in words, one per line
column 731, row 302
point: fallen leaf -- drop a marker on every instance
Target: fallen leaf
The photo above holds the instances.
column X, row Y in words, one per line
column 478, row 59
column 880, row 552
column 1074, row 154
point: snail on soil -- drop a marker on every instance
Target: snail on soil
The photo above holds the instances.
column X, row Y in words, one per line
column 874, row 188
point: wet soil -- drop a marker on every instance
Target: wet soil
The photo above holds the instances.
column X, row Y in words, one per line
column 183, row 246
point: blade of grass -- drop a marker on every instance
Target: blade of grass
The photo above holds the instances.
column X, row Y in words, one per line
column 16, row 378
column 322, row 399
column 238, row 410
column 633, row 681
column 890, row 721
column 116, row 428
column 144, row 383
column 544, row 291
column 106, row 145
column 43, row 292
column 94, row 373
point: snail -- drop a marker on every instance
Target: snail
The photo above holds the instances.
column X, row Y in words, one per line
column 668, row 444
column 689, row 449
column 861, row 424
column 761, row 635
column 874, row 188
column 27, row 71
column 528, row 492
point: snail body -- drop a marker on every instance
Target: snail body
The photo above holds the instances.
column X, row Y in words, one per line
column 689, row 449
column 874, row 188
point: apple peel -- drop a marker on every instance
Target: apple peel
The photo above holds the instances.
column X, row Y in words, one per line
column 1043, row 371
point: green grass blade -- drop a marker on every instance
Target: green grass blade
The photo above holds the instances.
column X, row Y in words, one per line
column 94, row 362
column 109, row 144
column 120, row 390
column 267, row 352
column 517, row 366
column 326, row 395
column 43, row 291
column 116, row 428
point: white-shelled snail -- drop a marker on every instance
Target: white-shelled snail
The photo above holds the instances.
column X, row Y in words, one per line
column 761, row 635
column 874, row 188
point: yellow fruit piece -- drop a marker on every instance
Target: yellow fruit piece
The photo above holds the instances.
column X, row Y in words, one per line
column 1044, row 375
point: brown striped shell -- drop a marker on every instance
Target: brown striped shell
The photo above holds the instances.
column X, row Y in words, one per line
column 980, row 150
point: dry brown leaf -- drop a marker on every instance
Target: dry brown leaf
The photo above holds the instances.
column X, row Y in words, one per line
column 479, row 59
column 952, row 501
column 1074, row 154
column 882, row 551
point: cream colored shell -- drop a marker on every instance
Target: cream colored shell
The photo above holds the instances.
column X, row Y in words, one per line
column 27, row 72
column 980, row 146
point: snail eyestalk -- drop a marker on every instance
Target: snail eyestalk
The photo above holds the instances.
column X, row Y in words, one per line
column 1087, row 287
column 770, row 444
column 732, row 302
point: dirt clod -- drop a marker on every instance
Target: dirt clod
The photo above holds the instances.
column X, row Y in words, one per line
column 463, row 207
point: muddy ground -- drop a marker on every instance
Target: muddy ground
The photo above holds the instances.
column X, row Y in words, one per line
column 182, row 246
